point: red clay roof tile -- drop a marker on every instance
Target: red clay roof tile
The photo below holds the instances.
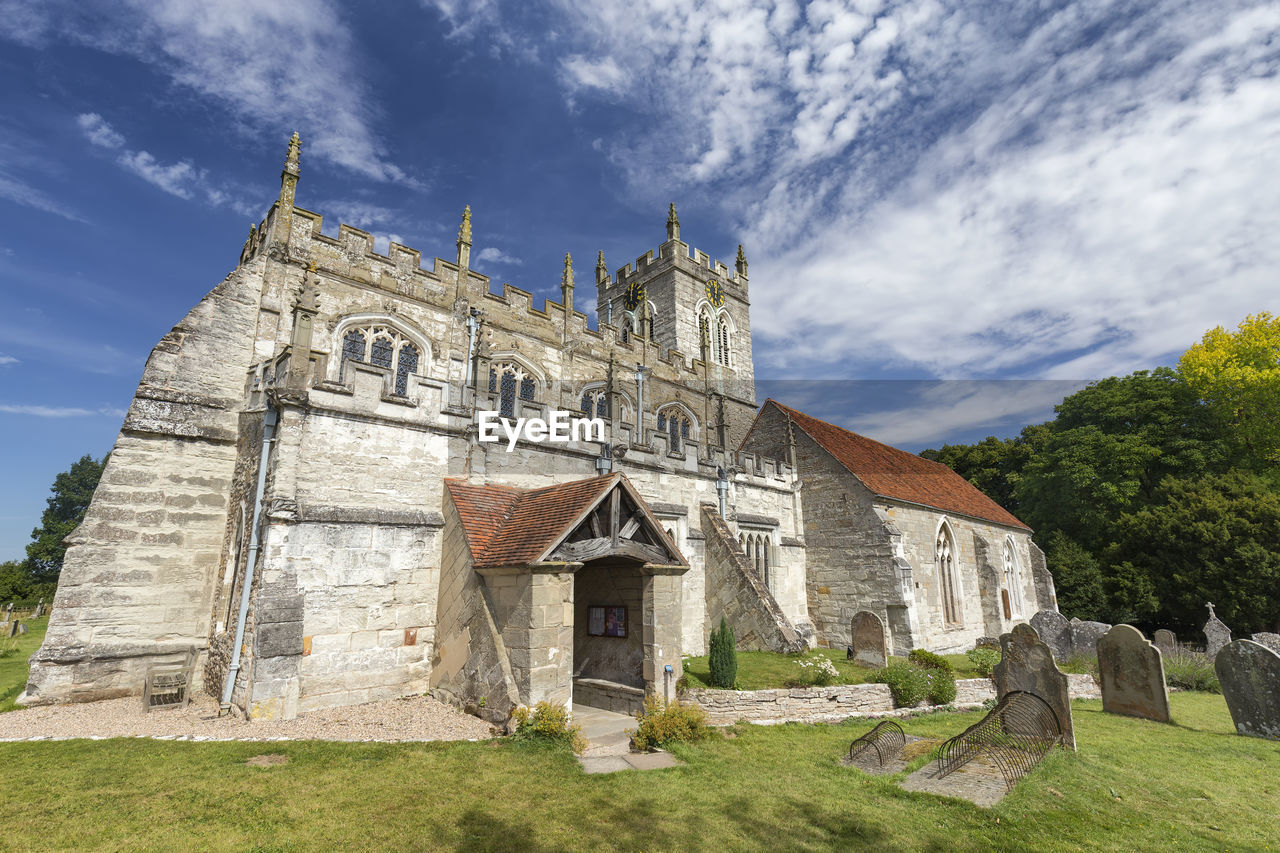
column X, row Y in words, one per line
column 896, row 474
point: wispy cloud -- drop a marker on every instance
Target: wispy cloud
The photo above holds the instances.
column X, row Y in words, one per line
column 954, row 188
column 182, row 179
column 20, row 192
column 6, row 360
column 276, row 67
column 61, row 411
column 492, row 255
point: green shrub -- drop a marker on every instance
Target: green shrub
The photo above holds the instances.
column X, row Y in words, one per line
column 907, row 683
column 661, row 724
column 548, row 722
column 942, row 686
column 983, row 660
column 928, row 660
column 1190, row 671
column 723, row 657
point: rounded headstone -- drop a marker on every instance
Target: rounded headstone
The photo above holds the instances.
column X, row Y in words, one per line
column 869, row 647
column 1027, row 664
column 1132, row 674
column 1250, row 677
column 1166, row 640
column 1054, row 631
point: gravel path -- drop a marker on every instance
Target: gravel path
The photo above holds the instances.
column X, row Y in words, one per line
column 416, row 718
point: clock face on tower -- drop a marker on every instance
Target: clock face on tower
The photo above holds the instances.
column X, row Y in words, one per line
column 634, row 295
column 715, row 293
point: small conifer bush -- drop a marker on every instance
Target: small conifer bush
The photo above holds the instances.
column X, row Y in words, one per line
column 723, row 657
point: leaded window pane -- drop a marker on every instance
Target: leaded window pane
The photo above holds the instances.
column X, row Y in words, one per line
column 381, row 352
column 527, row 388
column 662, row 422
column 407, row 363
column 602, row 406
column 586, row 402
column 507, row 408
column 353, row 345
column 493, row 381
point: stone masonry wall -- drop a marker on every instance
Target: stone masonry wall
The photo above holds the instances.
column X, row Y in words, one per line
column 737, row 593
column 138, row 580
column 838, row 702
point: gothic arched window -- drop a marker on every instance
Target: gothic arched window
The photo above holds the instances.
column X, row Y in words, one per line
column 508, row 379
column 595, row 403
column 383, row 346
column 1012, row 576
column 755, row 544
column 945, row 560
column 722, row 334
column 675, row 423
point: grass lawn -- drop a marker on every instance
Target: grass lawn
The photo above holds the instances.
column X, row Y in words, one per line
column 1134, row 785
column 766, row 670
column 13, row 660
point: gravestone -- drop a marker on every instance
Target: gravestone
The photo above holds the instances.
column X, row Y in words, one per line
column 1271, row 641
column 1085, row 636
column 1027, row 664
column 22, row 629
column 1250, row 677
column 869, row 647
column 1054, row 631
column 13, row 628
column 1166, row 640
column 1216, row 634
column 1132, row 675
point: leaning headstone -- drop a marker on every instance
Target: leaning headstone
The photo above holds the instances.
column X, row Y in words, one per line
column 1054, row 631
column 13, row 628
column 1166, row 640
column 1085, row 635
column 22, row 629
column 1216, row 634
column 1027, row 664
column 869, row 647
column 1271, row 641
column 1132, row 675
column 1250, row 677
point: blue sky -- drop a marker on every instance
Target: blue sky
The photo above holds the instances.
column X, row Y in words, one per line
column 1020, row 196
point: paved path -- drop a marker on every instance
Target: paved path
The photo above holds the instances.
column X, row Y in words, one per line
column 609, row 745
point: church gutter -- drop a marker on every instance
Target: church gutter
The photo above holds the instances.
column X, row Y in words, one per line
column 246, row 588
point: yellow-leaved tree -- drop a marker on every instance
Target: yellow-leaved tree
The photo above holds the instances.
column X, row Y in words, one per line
column 1238, row 373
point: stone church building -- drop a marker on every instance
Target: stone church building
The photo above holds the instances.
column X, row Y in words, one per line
column 301, row 496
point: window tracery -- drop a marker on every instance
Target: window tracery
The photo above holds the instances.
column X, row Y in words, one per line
column 1012, row 576
column 383, row 346
column 945, row 559
column 509, row 380
column 675, row 423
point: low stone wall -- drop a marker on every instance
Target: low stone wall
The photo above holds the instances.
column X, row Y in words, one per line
column 841, row 701
column 607, row 695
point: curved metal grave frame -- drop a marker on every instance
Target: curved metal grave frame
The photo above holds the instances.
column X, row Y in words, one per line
column 886, row 739
column 1017, row 734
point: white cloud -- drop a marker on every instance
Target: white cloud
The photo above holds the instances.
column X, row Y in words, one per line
column 491, row 255
column 956, row 189
column 276, row 67
column 182, row 179
column 20, row 192
column 382, row 242
column 60, row 411
column 98, row 131
column 7, row 360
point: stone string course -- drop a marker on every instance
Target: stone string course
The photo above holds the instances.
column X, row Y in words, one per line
column 841, row 701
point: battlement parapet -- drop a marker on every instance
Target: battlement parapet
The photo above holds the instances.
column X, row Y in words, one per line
column 675, row 251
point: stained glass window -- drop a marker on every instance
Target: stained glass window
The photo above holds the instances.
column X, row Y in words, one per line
column 382, row 352
column 353, row 345
column 386, row 347
column 406, row 364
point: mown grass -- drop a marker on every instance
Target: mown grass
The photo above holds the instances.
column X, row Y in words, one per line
column 769, row 670
column 1134, row 785
column 14, row 654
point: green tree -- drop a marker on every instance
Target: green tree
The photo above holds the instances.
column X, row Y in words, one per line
column 993, row 465
column 14, row 581
column 72, row 490
column 722, row 657
column 1238, row 374
column 1206, row 539
column 1077, row 577
column 1108, row 449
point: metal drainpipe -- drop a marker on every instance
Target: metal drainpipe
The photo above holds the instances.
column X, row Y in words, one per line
column 722, row 486
column 268, row 436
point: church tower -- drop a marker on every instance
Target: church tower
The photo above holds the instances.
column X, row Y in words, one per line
column 685, row 300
